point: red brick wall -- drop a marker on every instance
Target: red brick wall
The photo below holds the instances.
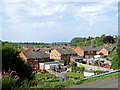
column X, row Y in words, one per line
column 31, row 61
column 86, row 53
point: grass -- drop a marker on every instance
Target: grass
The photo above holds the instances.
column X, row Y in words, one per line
column 57, row 84
column 43, row 76
column 73, row 74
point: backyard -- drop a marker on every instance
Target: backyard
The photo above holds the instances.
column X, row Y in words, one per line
column 43, row 76
column 75, row 75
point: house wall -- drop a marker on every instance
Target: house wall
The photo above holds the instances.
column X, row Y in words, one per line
column 91, row 53
column 97, row 52
column 104, row 51
column 79, row 51
column 65, row 55
column 23, row 56
column 56, row 54
column 36, row 63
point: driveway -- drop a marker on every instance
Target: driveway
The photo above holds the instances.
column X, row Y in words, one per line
column 105, row 83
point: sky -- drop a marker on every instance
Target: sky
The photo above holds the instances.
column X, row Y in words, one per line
column 33, row 21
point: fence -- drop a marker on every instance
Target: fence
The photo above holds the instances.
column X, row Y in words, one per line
column 100, row 75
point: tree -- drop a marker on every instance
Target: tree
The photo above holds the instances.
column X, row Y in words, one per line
column 11, row 59
column 73, row 65
column 66, row 61
column 108, row 39
column 80, row 44
column 100, row 53
column 88, row 43
column 116, row 56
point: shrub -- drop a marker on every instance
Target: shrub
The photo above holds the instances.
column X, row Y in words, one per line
column 8, row 83
column 78, row 82
column 100, row 53
column 104, row 56
column 60, row 86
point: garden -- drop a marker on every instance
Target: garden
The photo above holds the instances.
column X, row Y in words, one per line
column 75, row 75
column 44, row 75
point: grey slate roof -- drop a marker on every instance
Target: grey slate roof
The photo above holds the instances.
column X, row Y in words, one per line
column 98, row 48
column 110, row 47
column 35, row 54
column 87, row 48
column 46, row 49
column 66, row 51
column 107, row 47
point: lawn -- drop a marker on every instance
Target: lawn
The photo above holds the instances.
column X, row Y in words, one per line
column 44, row 75
column 53, row 84
column 75, row 75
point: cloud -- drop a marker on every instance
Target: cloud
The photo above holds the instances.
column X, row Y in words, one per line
column 95, row 12
column 18, row 12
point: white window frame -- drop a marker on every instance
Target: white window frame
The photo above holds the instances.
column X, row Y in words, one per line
column 36, row 59
column 41, row 59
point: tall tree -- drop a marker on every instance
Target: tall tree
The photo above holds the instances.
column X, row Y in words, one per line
column 116, row 56
column 108, row 39
column 11, row 59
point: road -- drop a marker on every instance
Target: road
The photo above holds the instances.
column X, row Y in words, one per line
column 106, row 83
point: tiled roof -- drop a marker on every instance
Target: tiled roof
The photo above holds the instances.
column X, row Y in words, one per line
column 110, row 47
column 107, row 47
column 35, row 54
column 87, row 48
column 66, row 51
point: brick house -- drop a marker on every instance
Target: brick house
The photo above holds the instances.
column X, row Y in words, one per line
column 60, row 53
column 34, row 57
column 107, row 49
column 86, row 52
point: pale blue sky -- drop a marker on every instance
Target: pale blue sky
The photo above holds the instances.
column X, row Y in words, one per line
column 57, row 21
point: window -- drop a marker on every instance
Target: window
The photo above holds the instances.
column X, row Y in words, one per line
column 81, row 52
column 91, row 51
column 88, row 51
column 41, row 59
column 51, row 55
column 36, row 59
column 80, row 61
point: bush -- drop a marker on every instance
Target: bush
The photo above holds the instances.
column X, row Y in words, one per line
column 100, row 53
column 8, row 83
column 10, row 58
column 104, row 56
column 78, row 82
column 60, row 86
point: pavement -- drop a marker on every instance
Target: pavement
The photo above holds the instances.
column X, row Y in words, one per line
column 105, row 83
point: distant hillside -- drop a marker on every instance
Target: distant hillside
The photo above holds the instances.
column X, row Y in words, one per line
column 90, row 41
column 77, row 39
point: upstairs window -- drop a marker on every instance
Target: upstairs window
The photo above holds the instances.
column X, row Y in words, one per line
column 51, row 55
column 41, row 59
column 81, row 52
column 36, row 59
column 88, row 51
